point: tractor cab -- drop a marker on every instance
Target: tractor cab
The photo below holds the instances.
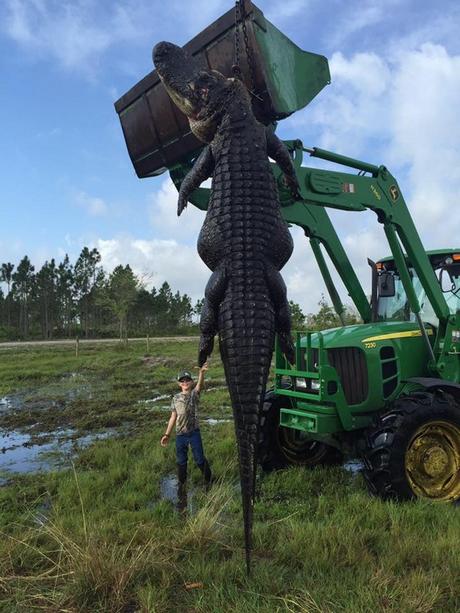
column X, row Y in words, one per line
column 392, row 301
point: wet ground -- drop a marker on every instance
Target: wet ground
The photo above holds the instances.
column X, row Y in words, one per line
column 23, row 453
column 33, row 437
column 41, row 428
column 26, row 443
column 355, row 466
column 182, row 497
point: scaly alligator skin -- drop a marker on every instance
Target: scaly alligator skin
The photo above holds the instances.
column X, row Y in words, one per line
column 244, row 241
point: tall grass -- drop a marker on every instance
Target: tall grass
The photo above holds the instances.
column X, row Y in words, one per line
column 98, row 536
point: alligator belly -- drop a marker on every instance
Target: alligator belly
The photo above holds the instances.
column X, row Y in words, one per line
column 244, row 224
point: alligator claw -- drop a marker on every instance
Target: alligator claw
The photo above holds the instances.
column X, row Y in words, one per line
column 182, row 204
column 205, row 349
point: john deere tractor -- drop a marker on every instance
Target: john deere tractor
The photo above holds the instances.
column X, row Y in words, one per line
column 387, row 389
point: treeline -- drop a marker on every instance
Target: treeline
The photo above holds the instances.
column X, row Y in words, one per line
column 66, row 300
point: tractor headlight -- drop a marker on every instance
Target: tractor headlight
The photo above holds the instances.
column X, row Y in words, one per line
column 301, row 383
column 315, row 385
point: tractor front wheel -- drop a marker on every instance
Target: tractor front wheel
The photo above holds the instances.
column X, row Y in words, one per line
column 280, row 447
column 414, row 449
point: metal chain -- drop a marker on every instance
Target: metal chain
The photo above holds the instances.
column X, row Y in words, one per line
column 236, row 68
column 249, row 56
column 240, row 20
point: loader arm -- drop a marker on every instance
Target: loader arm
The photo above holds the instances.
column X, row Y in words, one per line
column 317, row 226
column 377, row 191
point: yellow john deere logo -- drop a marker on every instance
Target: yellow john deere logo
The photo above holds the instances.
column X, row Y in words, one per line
column 375, row 192
column 385, row 337
column 394, row 192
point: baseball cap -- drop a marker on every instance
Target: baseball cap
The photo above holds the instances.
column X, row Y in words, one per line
column 185, row 374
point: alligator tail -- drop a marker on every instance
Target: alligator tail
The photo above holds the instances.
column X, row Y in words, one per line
column 246, row 304
column 246, row 338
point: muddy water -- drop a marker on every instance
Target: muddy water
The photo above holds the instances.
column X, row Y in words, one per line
column 355, row 466
column 181, row 497
column 211, row 421
column 30, row 449
column 21, row 453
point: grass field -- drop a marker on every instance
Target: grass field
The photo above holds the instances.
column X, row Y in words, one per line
column 99, row 534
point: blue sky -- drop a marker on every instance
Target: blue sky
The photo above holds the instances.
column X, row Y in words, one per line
column 66, row 178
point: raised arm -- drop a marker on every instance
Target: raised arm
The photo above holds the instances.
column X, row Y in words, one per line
column 201, row 375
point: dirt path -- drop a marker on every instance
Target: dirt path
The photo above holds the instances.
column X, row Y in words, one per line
column 93, row 341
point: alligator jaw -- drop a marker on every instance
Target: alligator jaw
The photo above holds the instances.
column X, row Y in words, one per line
column 178, row 72
column 199, row 93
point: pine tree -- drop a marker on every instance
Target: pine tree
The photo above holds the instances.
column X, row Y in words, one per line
column 23, row 290
column 46, row 297
column 6, row 272
column 86, row 277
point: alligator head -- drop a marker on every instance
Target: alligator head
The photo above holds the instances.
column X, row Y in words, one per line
column 200, row 93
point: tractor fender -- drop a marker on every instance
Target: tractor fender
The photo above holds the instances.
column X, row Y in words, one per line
column 430, row 383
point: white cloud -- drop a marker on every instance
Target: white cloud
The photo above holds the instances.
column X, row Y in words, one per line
column 426, row 138
column 276, row 11
column 357, row 18
column 156, row 261
column 353, row 111
column 76, row 33
column 302, row 276
column 95, row 206
column 162, row 210
column 402, row 113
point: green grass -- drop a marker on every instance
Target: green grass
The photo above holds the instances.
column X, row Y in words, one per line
column 97, row 536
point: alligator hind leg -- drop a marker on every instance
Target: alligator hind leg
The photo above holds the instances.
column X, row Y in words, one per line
column 277, row 290
column 213, row 296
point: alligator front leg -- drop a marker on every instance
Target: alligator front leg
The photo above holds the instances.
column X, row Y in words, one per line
column 202, row 170
column 278, row 151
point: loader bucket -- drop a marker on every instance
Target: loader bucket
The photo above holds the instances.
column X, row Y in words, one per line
column 286, row 79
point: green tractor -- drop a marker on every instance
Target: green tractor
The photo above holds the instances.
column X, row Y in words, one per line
column 387, row 389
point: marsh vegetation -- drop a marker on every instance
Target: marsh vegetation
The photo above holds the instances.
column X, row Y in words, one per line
column 97, row 529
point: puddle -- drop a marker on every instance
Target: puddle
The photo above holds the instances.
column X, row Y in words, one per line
column 20, row 453
column 354, row 466
column 211, row 421
column 156, row 399
column 42, row 512
column 72, row 386
column 13, row 402
column 181, row 498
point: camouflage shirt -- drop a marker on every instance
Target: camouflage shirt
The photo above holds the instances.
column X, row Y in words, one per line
column 186, row 408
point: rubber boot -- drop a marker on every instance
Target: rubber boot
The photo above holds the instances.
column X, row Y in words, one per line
column 182, row 488
column 206, row 470
column 182, row 473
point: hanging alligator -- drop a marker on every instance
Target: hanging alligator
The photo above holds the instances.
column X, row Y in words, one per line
column 244, row 241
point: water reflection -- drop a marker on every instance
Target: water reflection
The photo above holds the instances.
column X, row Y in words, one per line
column 355, row 466
column 179, row 494
column 21, row 453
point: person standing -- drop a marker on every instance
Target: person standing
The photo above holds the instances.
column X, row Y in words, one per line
column 184, row 415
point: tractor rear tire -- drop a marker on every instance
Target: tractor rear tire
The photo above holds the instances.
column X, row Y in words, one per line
column 281, row 447
column 413, row 450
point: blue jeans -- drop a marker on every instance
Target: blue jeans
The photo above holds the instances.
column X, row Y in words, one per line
column 194, row 440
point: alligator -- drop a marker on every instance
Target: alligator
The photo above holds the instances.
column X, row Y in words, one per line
column 244, row 241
